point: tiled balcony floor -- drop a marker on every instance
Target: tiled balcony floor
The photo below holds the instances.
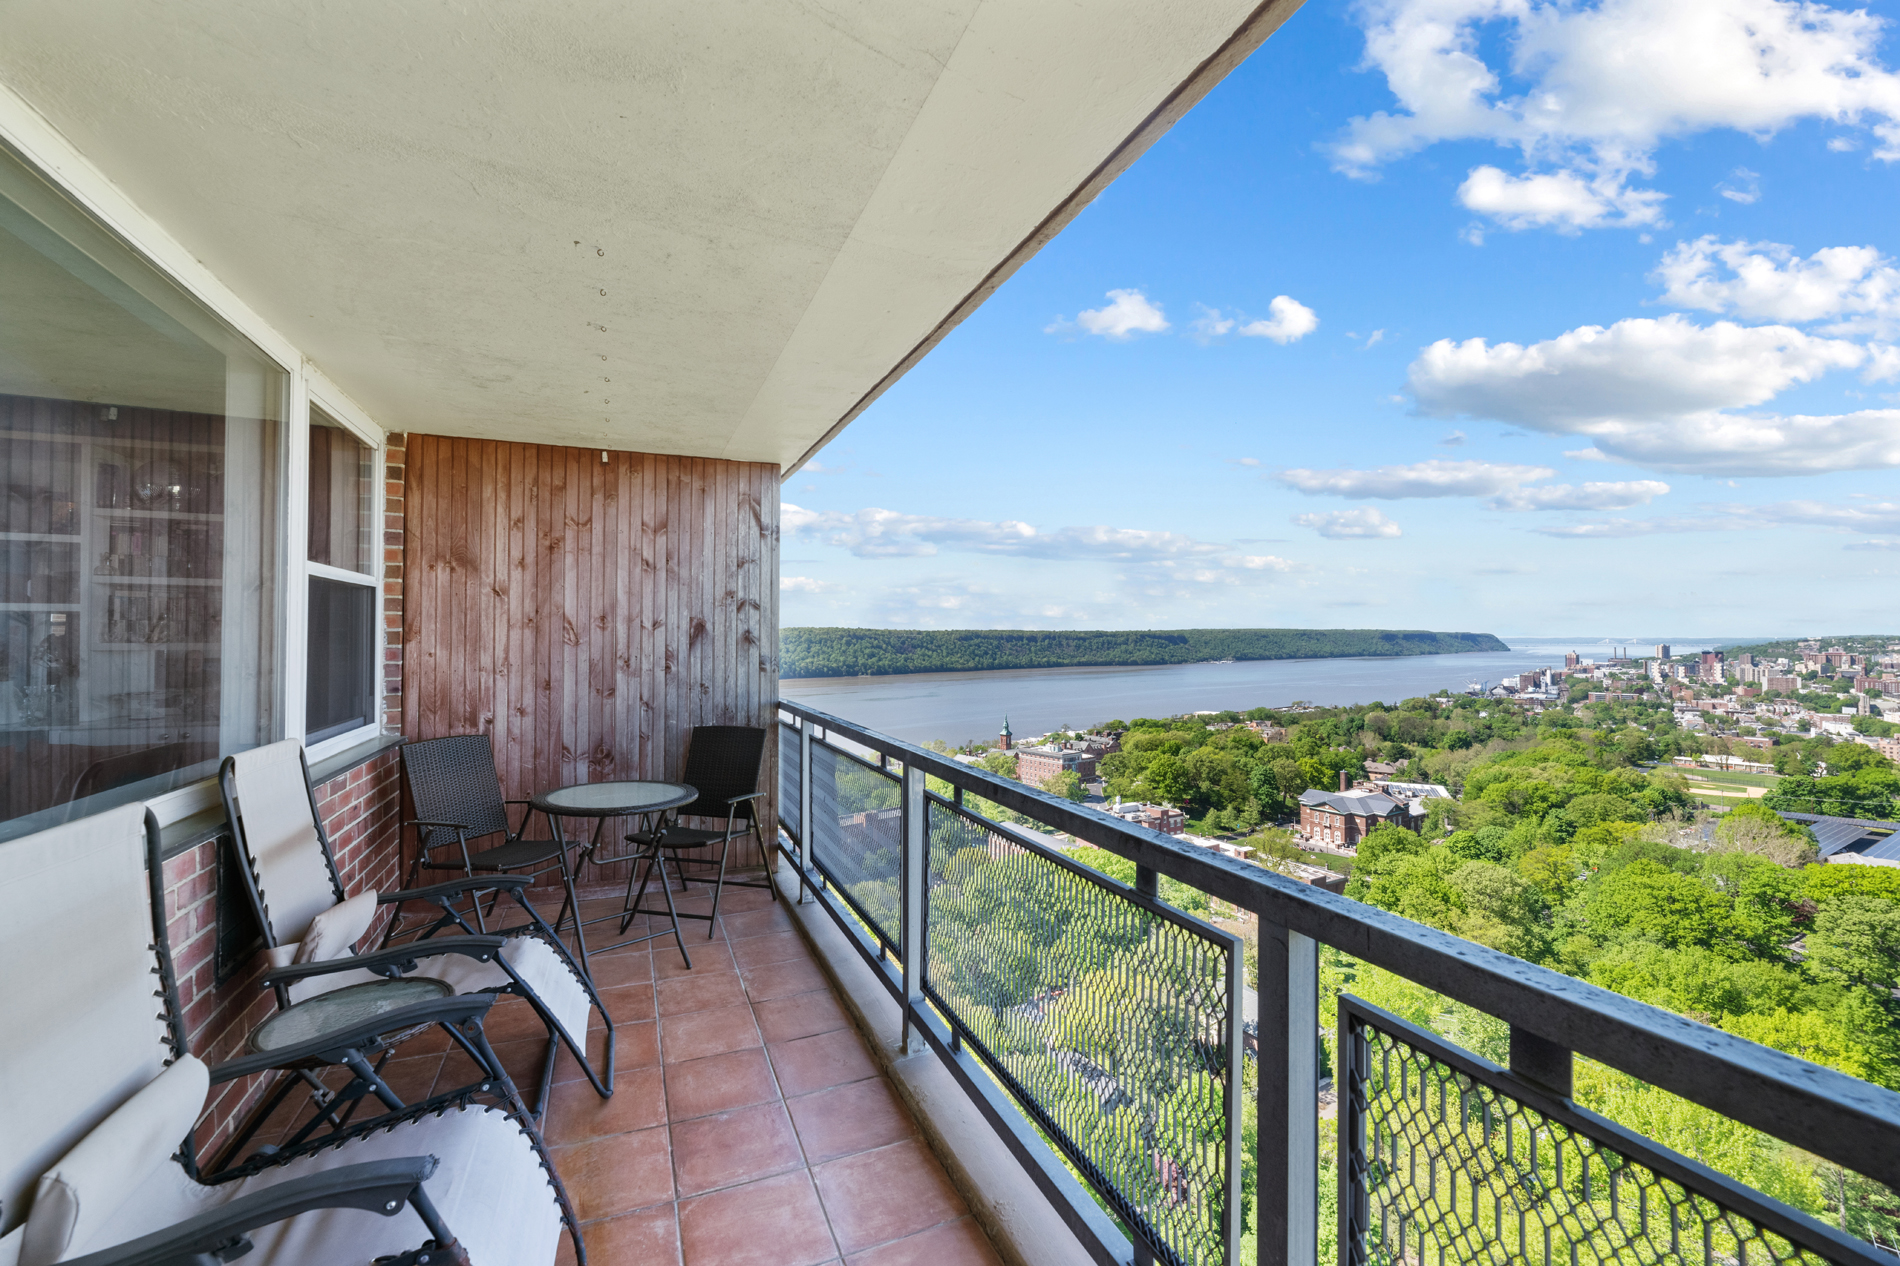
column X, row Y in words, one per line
column 749, row 1124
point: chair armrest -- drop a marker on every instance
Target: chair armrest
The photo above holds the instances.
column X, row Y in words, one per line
column 750, row 795
column 454, row 887
column 400, row 957
column 458, row 827
column 384, row 1187
column 452, row 1010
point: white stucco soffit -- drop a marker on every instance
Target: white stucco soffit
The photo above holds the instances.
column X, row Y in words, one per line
column 701, row 227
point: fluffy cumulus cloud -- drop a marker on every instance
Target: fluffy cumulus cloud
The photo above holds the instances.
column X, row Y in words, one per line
column 1856, row 288
column 1668, row 394
column 1361, row 523
column 1420, row 479
column 1288, row 321
column 805, row 584
column 1149, row 557
column 1127, row 313
column 1561, row 200
column 1587, row 92
column 1591, row 496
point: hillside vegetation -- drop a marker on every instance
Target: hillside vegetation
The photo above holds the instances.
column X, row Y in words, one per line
column 862, row 652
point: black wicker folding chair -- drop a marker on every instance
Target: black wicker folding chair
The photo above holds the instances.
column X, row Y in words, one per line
column 92, row 1170
column 311, row 930
column 457, row 798
column 722, row 764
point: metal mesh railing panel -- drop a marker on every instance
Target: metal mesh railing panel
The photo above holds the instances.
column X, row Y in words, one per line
column 857, row 835
column 1108, row 1022
column 788, row 758
column 1445, row 1167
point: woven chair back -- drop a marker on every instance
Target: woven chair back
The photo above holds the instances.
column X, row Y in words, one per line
column 722, row 762
column 453, row 779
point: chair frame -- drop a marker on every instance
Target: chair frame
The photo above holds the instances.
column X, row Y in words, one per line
column 385, row 1187
column 655, row 847
column 427, row 829
column 395, row 961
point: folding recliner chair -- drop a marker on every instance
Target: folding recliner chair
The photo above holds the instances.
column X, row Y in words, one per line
column 92, row 1171
column 311, row 930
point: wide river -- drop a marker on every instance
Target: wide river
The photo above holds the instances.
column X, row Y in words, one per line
column 959, row 707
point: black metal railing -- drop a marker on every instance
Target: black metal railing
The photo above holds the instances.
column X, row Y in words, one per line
column 1099, row 1031
column 1109, row 1018
column 1448, row 1158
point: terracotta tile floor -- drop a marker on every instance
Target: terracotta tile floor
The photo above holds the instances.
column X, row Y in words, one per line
column 749, row 1124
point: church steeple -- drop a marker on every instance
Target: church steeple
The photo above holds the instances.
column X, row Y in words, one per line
column 1003, row 740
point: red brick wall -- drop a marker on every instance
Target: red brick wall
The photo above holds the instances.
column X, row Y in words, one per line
column 360, row 812
column 396, row 475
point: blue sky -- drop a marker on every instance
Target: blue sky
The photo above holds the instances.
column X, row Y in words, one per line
column 1456, row 314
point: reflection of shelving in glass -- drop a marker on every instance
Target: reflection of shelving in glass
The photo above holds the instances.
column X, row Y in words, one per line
column 162, row 547
column 162, row 615
column 41, row 486
column 39, row 660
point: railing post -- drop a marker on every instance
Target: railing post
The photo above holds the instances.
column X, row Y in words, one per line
column 1286, row 1198
column 805, row 825
column 1541, row 1062
column 915, row 866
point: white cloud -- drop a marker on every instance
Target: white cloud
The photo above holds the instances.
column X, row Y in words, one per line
column 1148, row 558
column 1455, row 440
column 1210, row 324
column 1665, row 393
column 1436, row 478
column 1743, row 186
column 1874, row 545
column 805, row 584
column 1883, row 363
column 1590, row 496
column 1768, row 281
column 1877, row 517
column 1357, row 524
column 1587, row 92
column 1289, row 321
column 1127, row 313
column 1374, row 339
column 1591, row 454
column 1561, row 200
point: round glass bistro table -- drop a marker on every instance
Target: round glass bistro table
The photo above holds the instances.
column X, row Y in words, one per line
column 600, row 801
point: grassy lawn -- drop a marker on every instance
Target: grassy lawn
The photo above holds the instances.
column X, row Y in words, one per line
column 1721, row 776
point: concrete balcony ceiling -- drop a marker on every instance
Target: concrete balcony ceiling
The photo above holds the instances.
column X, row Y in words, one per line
column 687, row 226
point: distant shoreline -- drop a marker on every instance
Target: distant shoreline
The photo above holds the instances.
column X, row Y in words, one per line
column 817, row 654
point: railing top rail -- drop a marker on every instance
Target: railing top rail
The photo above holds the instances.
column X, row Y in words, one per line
column 1851, row 1122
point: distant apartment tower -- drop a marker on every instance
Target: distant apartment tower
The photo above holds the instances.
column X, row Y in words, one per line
column 1570, row 660
column 1662, row 650
column 1786, row 685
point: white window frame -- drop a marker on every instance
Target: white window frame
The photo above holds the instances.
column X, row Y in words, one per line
column 322, row 396
column 25, row 132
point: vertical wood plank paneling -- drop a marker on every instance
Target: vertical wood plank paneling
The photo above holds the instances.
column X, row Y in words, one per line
column 588, row 614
